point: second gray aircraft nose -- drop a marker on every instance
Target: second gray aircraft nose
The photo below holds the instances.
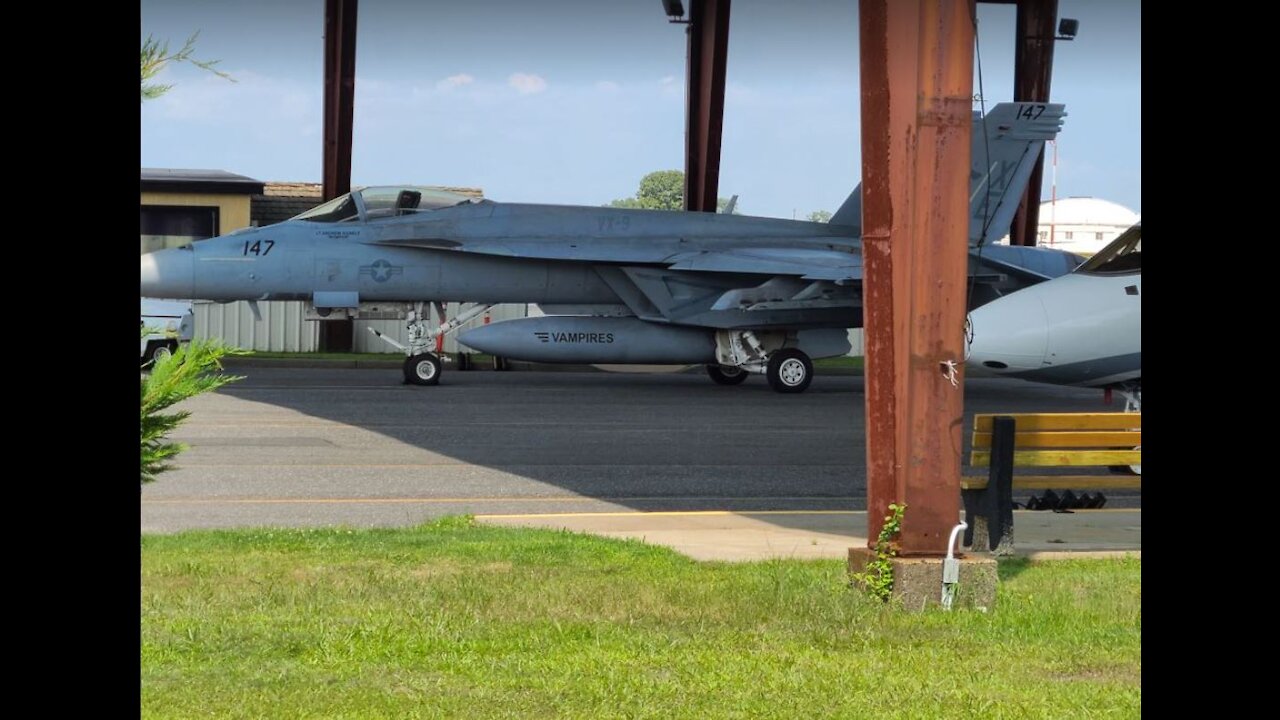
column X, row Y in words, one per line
column 169, row 274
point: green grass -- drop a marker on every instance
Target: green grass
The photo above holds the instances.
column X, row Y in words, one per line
column 451, row 620
column 476, row 358
column 324, row 355
column 843, row 361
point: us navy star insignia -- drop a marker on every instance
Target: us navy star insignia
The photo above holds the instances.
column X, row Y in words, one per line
column 381, row 270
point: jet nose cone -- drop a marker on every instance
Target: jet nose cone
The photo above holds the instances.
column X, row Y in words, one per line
column 169, row 274
column 1010, row 335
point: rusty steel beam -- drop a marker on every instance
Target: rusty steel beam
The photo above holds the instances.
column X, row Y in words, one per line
column 708, row 34
column 339, row 110
column 339, row 94
column 1033, row 69
column 917, row 89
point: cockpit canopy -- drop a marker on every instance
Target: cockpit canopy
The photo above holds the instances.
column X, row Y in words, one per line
column 1123, row 255
column 379, row 202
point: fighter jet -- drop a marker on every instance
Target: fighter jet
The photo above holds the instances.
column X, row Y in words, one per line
column 739, row 294
column 1083, row 329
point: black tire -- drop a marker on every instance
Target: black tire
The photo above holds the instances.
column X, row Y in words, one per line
column 790, row 371
column 422, row 369
column 499, row 363
column 464, row 361
column 726, row 375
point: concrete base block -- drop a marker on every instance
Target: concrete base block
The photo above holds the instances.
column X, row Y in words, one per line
column 917, row 582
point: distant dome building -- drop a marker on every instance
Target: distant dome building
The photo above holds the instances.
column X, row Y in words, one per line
column 1081, row 225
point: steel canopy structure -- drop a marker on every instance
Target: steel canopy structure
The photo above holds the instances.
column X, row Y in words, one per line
column 917, row 83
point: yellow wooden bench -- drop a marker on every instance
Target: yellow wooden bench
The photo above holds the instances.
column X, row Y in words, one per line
column 1004, row 441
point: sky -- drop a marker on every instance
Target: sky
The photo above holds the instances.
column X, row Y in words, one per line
column 573, row 101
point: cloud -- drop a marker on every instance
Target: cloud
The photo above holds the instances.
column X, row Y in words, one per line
column 608, row 86
column 527, row 84
column 670, row 88
column 454, row 81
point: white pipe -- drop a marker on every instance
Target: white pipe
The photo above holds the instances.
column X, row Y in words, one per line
column 951, row 567
column 952, row 540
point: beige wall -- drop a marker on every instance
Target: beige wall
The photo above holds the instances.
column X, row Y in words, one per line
column 233, row 210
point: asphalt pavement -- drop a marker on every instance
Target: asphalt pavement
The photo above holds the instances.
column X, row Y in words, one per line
column 323, row 446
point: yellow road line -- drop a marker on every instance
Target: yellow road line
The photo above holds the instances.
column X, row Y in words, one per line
column 671, row 513
column 656, row 513
column 392, row 500
column 462, row 500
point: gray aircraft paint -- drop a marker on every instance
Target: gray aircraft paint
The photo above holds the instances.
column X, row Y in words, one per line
column 1096, row 372
column 565, row 339
column 705, row 271
column 1084, row 328
column 615, row 340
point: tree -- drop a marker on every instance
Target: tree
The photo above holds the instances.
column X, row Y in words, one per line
column 192, row 370
column 820, row 216
column 661, row 190
column 155, row 55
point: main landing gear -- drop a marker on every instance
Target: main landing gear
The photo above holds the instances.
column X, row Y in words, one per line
column 422, row 369
column 421, row 366
column 742, row 352
column 1132, row 395
column 789, row 371
column 726, row 375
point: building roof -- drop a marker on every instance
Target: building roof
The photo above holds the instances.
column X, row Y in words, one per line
column 202, row 181
column 1086, row 211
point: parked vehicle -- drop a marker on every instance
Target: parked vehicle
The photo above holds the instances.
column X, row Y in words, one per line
column 170, row 322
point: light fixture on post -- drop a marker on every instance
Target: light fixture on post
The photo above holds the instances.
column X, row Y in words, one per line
column 674, row 10
column 1067, row 28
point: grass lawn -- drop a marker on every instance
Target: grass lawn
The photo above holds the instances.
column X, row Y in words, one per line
column 844, row 361
column 455, row 620
column 323, row 355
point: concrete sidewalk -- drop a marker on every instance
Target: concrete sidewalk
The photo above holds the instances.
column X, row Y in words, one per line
column 809, row 534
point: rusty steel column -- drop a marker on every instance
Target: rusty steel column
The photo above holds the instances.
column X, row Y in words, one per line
column 1032, row 71
column 704, row 118
column 339, row 110
column 339, row 94
column 917, row 89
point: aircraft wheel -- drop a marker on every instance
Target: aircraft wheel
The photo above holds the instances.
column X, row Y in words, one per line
column 1126, row 469
column 790, row 371
column 723, row 375
column 422, row 369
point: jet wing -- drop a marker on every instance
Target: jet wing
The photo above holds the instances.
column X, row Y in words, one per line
column 765, row 256
column 833, row 265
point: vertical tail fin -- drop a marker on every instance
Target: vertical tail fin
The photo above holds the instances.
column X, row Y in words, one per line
column 1005, row 145
column 850, row 213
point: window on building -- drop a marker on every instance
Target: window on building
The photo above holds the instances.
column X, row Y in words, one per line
column 1068, row 234
column 1044, row 234
column 166, row 226
column 1097, row 236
